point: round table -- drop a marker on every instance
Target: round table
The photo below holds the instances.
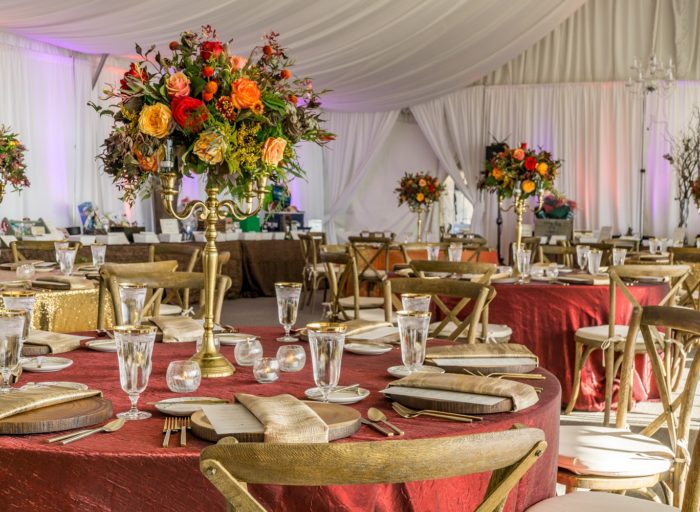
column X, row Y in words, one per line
column 128, row 470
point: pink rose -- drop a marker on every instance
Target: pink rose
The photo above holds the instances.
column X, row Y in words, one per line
column 237, row 62
column 273, row 150
column 518, row 154
column 177, row 85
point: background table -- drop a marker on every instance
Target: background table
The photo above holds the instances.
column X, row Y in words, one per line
column 127, row 470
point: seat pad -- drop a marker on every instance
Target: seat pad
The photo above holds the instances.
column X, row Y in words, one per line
column 599, row 333
column 598, row 502
column 363, row 302
column 604, row 451
column 495, row 330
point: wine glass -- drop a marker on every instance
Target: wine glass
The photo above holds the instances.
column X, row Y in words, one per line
column 524, row 258
column 98, row 254
column 20, row 300
column 287, row 304
column 582, row 256
column 134, row 351
column 63, row 244
column 594, row 258
column 326, row 341
column 415, row 301
column 189, row 225
column 454, row 252
column 413, row 333
column 11, row 327
column 618, row 255
column 433, row 252
column 66, row 259
column 132, row 297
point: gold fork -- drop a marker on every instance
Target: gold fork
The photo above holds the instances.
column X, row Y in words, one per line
column 406, row 412
column 169, row 426
column 184, row 425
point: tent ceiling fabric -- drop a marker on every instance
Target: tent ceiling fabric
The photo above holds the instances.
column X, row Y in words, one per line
column 375, row 55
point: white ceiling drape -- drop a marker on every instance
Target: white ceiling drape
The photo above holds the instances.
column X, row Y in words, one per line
column 375, row 55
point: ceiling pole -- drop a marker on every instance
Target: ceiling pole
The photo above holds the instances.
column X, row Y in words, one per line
column 96, row 75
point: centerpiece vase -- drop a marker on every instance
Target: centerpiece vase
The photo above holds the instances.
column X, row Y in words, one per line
column 520, row 206
column 420, row 211
column 210, row 360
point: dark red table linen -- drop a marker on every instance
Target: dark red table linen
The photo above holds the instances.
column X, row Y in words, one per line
column 129, row 471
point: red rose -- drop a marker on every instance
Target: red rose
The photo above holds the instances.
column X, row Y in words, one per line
column 190, row 113
column 135, row 71
column 211, row 49
column 267, row 50
column 286, row 74
column 523, row 145
column 530, row 163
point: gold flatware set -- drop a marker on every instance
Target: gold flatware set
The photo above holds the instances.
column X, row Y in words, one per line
column 406, row 412
column 175, row 425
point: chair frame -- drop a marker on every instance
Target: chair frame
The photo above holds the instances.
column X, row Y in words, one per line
column 17, row 246
column 157, row 252
column 312, row 278
column 231, row 465
column 333, row 257
column 379, row 245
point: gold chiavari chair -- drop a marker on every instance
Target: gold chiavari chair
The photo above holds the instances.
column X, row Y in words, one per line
column 37, row 249
column 615, row 459
column 230, row 465
column 315, row 273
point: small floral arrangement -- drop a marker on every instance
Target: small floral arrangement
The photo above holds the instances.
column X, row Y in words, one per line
column 556, row 206
column 531, row 172
column 419, row 190
column 231, row 118
column 12, row 166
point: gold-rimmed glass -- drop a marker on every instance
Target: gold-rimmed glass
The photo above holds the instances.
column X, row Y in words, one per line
column 413, row 332
column 11, row 327
column 61, row 244
column 326, row 341
column 98, row 252
column 20, row 300
column 415, row 301
column 132, row 297
column 66, row 260
column 134, row 352
column 287, row 306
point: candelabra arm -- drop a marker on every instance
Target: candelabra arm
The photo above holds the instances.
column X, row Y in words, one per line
column 239, row 214
column 186, row 212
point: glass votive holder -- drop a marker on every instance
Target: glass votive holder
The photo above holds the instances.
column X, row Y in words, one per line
column 291, row 358
column 248, row 351
column 551, row 271
column 266, row 370
column 25, row 271
column 183, row 376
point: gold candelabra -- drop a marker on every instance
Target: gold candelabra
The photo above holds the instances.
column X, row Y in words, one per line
column 419, row 211
column 209, row 359
column 520, row 206
column 2, row 191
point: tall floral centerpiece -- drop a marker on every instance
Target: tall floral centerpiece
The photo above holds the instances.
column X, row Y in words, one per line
column 206, row 111
column 12, row 166
column 419, row 191
column 520, row 174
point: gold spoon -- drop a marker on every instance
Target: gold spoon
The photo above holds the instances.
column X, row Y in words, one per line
column 375, row 414
column 112, row 426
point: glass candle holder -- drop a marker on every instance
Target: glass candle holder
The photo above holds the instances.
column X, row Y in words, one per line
column 25, row 272
column 248, row 351
column 291, row 358
column 183, row 376
column 551, row 271
column 266, row 370
column 98, row 254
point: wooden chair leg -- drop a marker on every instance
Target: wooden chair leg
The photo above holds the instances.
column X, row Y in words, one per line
column 581, row 357
column 609, row 355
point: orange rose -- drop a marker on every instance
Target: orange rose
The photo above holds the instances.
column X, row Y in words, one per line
column 273, row 150
column 542, row 168
column 497, row 173
column 420, row 197
column 422, row 183
column 237, row 62
column 244, row 93
column 147, row 163
column 528, row 186
column 518, row 154
column 177, row 85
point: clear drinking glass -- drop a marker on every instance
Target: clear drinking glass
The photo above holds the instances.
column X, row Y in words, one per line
column 454, row 252
column 189, row 226
column 11, row 327
column 663, row 245
column 20, row 300
column 582, row 256
column 413, row 332
column 291, row 358
column 516, row 248
column 98, row 254
column 66, row 259
column 266, row 370
column 415, row 301
column 433, row 252
column 326, row 341
column 287, row 305
column 551, row 271
column 247, row 351
column 132, row 296
column 594, row 258
column 134, row 351
column 63, row 244
column 524, row 258
column 183, row 376
column 618, row 255
column 653, row 245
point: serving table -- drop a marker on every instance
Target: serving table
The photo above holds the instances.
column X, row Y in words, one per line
column 128, row 470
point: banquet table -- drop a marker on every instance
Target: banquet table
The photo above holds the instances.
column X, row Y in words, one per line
column 128, row 470
column 545, row 317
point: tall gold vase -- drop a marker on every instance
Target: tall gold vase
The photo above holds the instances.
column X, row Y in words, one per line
column 209, row 359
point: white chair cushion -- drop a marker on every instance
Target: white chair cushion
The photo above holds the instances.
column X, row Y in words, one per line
column 598, row 502
column 495, row 330
column 169, row 310
column 374, row 315
column 363, row 302
column 603, row 451
column 599, row 333
column 373, row 274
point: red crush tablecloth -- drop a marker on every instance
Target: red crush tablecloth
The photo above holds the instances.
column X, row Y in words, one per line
column 129, row 471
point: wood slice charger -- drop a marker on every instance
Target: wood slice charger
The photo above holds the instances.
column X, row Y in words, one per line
column 342, row 422
column 65, row 416
column 478, row 404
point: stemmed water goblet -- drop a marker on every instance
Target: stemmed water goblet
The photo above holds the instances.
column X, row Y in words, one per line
column 433, row 251
column 66, row 260
column 134, row 351
column 582, row 256
column 413, row 333
column 57, row 246
column 415, row 301
column 524, row 259
column 98, row 254
column 132, row 297
column 287, row 305
column 20, row 300
column 618, row 255
column 594, row 258
column 454, row 252
column 326, row 341
column 11, row 327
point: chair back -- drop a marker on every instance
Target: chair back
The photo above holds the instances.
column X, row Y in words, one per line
column 230, row 465
column 480, row 272
column 439, row 289
column 419, row 247
column 341, row 270
column 311, row 243
column 185, row 255
column 564, row 254
column 531, row 243
column 368, row 252
column 475, row 244
column 37, row 249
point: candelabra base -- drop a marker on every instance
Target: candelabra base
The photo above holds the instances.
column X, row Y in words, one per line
column 213, row 365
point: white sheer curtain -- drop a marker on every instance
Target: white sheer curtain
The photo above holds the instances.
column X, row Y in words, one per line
column 346, row 161
column 453, row 125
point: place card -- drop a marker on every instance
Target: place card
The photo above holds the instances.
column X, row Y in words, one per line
column 169, row 226
column 232, row 419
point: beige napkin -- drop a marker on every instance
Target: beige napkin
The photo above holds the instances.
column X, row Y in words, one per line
column 286, row 419
column 28, row 399
column 178, row 328
column 495, row 350
column 57, row 343
column 75, row 283
column 522, row 395
column 359, row 326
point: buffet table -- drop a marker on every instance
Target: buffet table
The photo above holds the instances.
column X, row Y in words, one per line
column 128, row 470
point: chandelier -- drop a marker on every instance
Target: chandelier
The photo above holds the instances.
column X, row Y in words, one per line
column 656, row 76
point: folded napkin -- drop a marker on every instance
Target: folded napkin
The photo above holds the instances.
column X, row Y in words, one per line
column 57, row 343
column 286, row 419
column 28, row 399
column 75, row 283
column 522, row 395
column 178, row 328
column 354, row 327
column 481, row 350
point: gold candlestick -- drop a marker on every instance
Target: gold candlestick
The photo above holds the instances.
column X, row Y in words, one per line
column 520, row 206
column 209, row 359
column 2, row 191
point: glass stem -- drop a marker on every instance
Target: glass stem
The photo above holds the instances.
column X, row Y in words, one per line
column 287, row 330
column 133, row 398
column 6, row 375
